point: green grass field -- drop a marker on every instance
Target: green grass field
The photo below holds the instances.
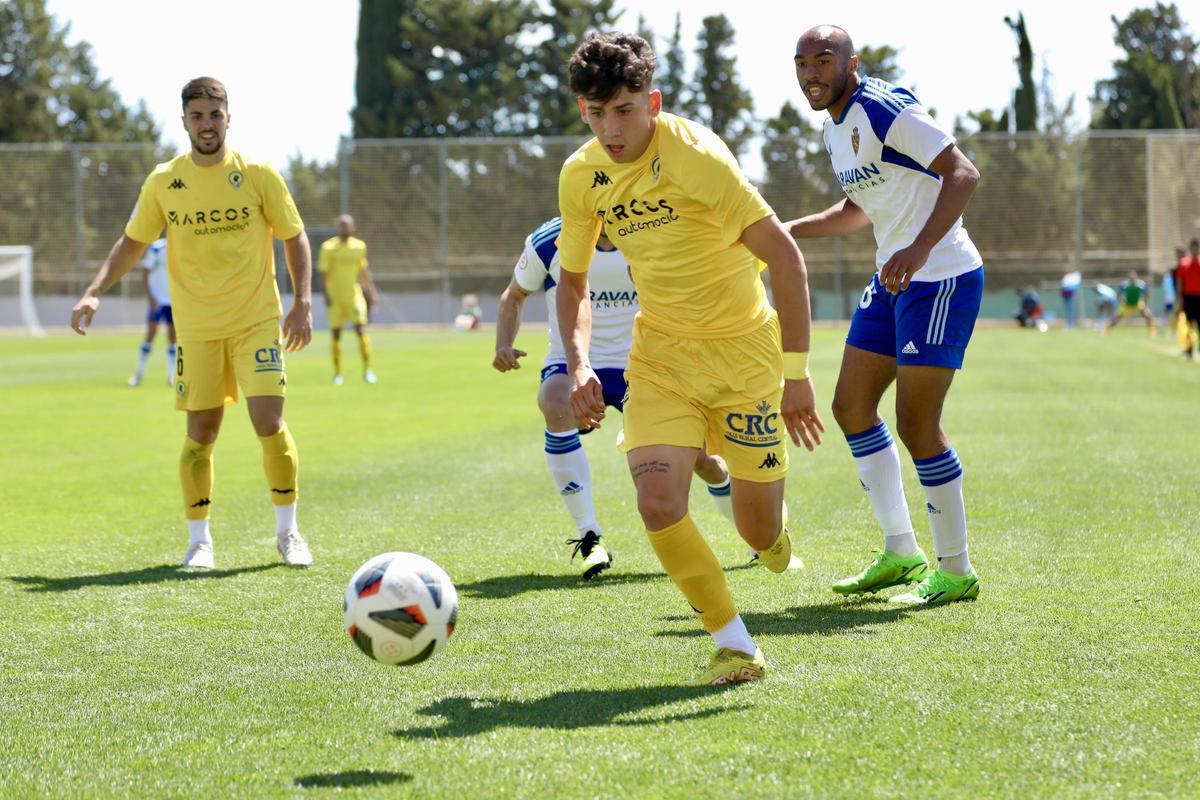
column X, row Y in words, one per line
column 1077, row 672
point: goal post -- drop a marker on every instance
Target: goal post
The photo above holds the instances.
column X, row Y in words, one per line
column 16, row 262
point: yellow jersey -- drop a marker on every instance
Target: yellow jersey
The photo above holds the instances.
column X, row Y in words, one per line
column 220, row 256
column 341, row 262
column 677, row 214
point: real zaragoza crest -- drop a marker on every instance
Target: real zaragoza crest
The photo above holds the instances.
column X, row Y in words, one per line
column 854, row 140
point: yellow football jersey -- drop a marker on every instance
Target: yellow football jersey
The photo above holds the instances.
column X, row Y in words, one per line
column 677, row 214
column 342, row 262
column 220, row 256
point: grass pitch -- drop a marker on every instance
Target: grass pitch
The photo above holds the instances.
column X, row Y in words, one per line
column 1075, row 674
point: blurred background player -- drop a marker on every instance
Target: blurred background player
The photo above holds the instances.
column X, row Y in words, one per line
column 1072, row 282
column 221, row 212
column 1134, row 295
column 1106, row 305
column 470, row 314
column 1168, row 288
column 154, row 264
column 1187, row 289
column 902, row 174
column 1029, row 312
column 614, row 306
column 343, row 262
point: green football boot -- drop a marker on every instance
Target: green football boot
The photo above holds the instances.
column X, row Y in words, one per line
column 888, row 569
column 940, row 587
column 595, row 558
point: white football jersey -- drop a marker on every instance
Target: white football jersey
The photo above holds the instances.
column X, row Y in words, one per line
column 614, row 297
column 881, row 149
column 155, row 260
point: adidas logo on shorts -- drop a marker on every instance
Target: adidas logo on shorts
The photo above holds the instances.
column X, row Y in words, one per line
column 910, row 349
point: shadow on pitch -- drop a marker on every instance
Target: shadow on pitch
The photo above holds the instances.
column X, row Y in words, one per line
column 358, row 777
column 467, row 716
column 133, row 577
column 824, row 619
column 504, row 586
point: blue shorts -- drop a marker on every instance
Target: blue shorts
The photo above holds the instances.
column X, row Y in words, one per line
column 161, row 314
column 612, row 381
column 928, row 324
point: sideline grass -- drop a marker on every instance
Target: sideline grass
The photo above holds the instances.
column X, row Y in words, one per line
column 1075, row 674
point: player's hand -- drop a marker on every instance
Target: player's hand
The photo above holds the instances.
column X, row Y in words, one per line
column 587, row 398
column 297, row 326
column 899, row 269
column 506, row 358
column 799, row 412
column 82, row 313
column 373, row 302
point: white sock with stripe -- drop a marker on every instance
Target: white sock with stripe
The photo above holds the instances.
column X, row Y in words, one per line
column 941, row 476
column 143, row 357
column 170, row 363
column 572, row 475
column 878, row 462
column 722, row 497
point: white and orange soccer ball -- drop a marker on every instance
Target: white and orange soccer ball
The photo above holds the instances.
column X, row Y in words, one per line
column 400, row 608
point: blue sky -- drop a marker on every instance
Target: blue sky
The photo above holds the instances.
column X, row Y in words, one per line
column 290, row 72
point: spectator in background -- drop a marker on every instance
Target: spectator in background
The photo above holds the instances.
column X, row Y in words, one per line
column 1030, row 313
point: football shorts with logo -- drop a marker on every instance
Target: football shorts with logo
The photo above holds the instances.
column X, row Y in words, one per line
column 927, row 324
column 351, row 309
column 719, row 393
column 209, row 373
column 612, row 383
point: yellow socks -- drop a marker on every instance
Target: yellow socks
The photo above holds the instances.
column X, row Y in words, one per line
column 777, row 557
column 364, row 350
column 196, row 476
column 690, row 562
column 337, row 356
column 281, row 462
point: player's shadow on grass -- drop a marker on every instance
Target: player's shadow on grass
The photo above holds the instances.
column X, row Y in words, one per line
column 569, row 710
column 824, row 619
column 358, row 777
column 505, row 586
column 133, row 577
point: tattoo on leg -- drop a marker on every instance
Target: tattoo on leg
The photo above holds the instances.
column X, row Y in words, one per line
column 650, row 466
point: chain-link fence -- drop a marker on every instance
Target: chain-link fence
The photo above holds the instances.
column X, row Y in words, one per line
column 448, row 216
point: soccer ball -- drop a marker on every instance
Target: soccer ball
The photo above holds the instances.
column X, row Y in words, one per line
column 400, row 608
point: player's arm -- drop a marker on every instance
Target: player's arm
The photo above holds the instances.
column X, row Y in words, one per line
column 959, row 178
column 508, row 322
column 769, row 241
column 297, row 325
column 575, row 324
column 124, row 256
column 842, row 218
column 368, row 284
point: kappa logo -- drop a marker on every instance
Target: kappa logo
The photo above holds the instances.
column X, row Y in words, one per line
column 854, row 139
column 601, row 180
column 204, row 501
column 177, row 184
column 910, row 349
column 770, row 462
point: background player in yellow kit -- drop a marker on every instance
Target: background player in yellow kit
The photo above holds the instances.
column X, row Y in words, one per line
column 707, row 362
column 221, row 211
column 343, row 262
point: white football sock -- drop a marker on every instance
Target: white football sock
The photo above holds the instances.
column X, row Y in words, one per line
column 734, row 636
column 721, row 494
column 878, row 462
column 198, row 531
column 170, row 363
column 941, row 476
column 143, row 357
column 285, row 518
column 572, row 475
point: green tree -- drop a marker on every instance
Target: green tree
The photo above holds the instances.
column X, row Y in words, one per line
column 671, row 74
column 1157, row 82
column 546, row 82
column 722, row 103
column 51, row 91
column 879, row 62
column 1025, row 101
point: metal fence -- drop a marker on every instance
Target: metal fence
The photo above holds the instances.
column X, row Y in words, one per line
column 449, row 215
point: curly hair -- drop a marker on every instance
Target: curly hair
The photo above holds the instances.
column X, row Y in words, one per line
column 606, row 62
column 198, row 88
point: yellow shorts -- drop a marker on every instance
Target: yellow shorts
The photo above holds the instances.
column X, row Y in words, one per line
column 1127, row 310
column 723, row 393
column 207, row 374
column 354, row 312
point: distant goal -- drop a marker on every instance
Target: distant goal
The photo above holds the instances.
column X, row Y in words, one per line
column 16, row 289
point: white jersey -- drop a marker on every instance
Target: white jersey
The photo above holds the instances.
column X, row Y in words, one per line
column 155, row 261
column 881, row 149
column 614, row 297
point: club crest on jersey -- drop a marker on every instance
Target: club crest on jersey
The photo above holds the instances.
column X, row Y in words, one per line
column 763, row 407
column 656, row 168
column 854, row 140
column 236, row 179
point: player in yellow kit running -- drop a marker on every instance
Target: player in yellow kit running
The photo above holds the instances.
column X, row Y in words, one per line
column 343, row 262
column 221, row 211
column 711, row 360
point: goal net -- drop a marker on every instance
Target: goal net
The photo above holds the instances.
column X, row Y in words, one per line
column 16, row 289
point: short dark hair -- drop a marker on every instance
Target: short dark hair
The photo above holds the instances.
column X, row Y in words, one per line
column 204, row 87
column 606, row 62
